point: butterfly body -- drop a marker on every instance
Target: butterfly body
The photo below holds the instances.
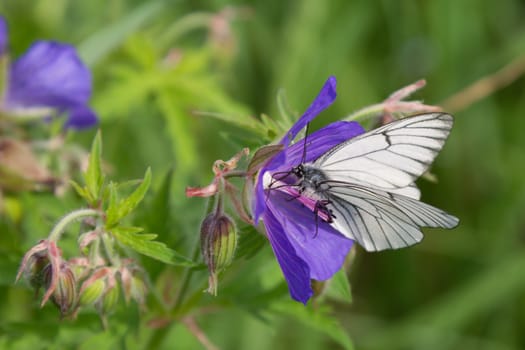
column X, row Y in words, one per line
column 312, row 180
column 366, row 184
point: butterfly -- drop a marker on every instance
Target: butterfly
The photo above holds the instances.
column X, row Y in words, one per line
column 365, row 186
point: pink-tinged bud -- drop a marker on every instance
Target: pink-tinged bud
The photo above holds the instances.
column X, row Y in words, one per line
column 218, row 243
column 64, row 295
column 133, row 285
column 92, row 293
column 35, row 269
column 138, row 290
column 109, row 301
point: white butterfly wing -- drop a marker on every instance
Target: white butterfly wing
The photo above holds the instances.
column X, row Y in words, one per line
column 391, row 157
column 380, row 220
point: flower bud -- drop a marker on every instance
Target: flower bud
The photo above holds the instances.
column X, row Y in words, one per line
column 138, row 290
column 65, row 292
column 218, row 243
column 109, row 301
column 92, row 293
column 35, row 270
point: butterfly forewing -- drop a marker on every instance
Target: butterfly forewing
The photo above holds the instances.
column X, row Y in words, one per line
column 391, row 157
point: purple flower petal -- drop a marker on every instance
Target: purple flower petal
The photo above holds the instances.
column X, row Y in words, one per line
column 324, row 252
column 81, row 117
column 50, row 74
column 295, row 270
column 324, row 99
column 319, row 142
column 4, row 39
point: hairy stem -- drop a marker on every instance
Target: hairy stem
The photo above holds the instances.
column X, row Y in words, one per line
column 68, row 219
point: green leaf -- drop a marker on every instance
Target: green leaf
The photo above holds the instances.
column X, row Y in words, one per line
column 118, row 211
column 156, row 214
column 339, row 287
column 317, row 319
column 81, row 190
column 93, row 175
column 271, row 128
column 243, row 121
column 145, row 245
column 287, row 115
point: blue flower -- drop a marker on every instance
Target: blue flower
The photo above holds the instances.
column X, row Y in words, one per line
column 305, row 247
column 49, row 77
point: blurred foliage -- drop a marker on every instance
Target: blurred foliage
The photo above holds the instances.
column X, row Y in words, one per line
column 165, row 82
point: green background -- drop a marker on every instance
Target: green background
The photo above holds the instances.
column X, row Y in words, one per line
column 462, row 288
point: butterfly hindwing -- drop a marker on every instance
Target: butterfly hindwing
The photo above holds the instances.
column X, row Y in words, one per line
column 379, row 220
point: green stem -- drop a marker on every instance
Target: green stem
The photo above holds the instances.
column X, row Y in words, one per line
column 68, row 219
column 183, row 26
column 109, row 250
column 235, row 173
column 158, row 335
column 186, row 278
column 367, row 112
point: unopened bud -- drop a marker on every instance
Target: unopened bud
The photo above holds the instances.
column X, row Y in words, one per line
column 218, row 243
column 109, row 301
column 138, row 290
column 65, row 292
column 35, row 270
column 92, row 293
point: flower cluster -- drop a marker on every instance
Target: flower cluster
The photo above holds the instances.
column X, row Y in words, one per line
column 102, row 270
column 92, row 279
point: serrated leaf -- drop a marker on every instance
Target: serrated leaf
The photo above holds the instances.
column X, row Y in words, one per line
column 117, row 212
column 156, row 213
column 81, row 190
column 145, row 245
column 317, row 319
column 93, row 175
column 339, row 287
column 271, row 128
column 245, row 122
column 110, row 197
column 284, row 107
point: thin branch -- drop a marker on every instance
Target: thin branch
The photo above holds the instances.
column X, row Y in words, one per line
column 485, row 86
column 194, row 328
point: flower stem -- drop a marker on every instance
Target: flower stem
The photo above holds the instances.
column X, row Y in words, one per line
column 159, row 334
column 68, row 219
column 185, row 25
column 188, row 274
column 367, row 112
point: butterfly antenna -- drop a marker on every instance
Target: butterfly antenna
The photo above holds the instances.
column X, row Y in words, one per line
column 303, row 159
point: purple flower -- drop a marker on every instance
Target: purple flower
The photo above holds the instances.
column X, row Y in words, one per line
column 305, row 247
column 49, row 77
column 3, row 36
